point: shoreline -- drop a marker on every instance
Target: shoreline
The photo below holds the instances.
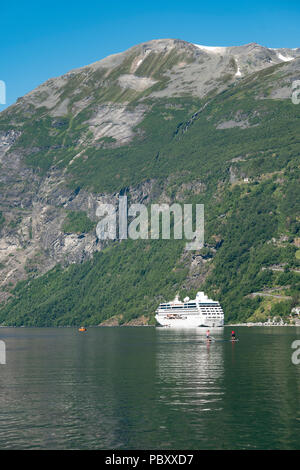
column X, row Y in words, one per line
column 262, row 324
column 231, row 325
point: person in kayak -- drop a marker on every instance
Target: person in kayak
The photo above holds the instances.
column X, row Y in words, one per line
column 208, row 335
column 233, row 334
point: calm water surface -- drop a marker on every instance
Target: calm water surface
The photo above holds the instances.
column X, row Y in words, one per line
column 147, row 388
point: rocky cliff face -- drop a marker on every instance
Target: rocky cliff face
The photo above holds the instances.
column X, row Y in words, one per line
column 48, row 138
column 34, row 209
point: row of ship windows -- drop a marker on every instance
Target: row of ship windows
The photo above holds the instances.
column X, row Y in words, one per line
column 189, row 306
column 184, row 306
column 215, row 315
column 196, row 312
column 182, row 309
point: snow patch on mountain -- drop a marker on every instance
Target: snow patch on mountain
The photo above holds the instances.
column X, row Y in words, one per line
column 283, row 58
column 214, row 50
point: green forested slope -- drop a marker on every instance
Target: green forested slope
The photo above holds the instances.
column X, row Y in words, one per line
column 126, row 279
column 250, row 225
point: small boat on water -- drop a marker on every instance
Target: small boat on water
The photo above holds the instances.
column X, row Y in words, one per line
column 82, row 328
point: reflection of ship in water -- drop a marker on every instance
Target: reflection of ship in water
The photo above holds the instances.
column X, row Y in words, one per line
column 190, row 370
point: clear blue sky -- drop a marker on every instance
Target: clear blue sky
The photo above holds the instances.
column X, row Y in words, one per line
column 39, row 40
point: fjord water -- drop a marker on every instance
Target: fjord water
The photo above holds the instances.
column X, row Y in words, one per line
column 149, row 388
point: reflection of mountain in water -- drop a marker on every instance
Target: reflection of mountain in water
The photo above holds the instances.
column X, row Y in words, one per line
column 190, row 370
column 149, row 388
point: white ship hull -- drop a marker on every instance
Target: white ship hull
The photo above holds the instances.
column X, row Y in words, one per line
column 190, row 321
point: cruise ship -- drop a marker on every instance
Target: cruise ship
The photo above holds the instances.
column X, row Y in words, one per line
column 190, row 313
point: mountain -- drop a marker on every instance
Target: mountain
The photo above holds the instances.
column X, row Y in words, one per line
column 165, row 121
